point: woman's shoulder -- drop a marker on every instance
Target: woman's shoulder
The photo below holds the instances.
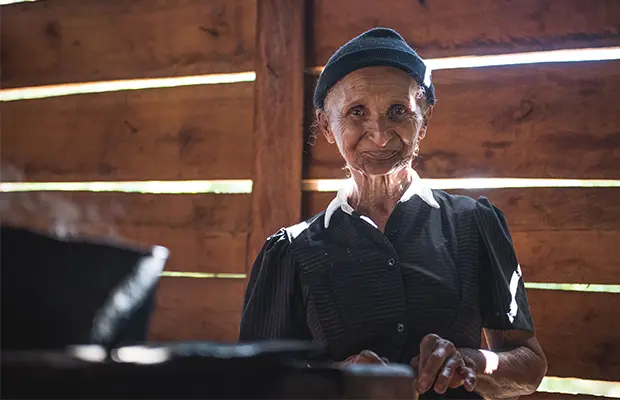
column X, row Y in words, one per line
column 481, row 208
column 488, row 217
column 463, row 203
column 457, row 203
column 289, row 235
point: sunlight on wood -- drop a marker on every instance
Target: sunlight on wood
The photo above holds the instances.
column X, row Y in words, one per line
column 156, row 187
column 38, row 92
column 574, row 287
column 308, row 185
column 202, row 275
column 333, row 185
column 554, row 384
column 5, row 2
column 536, row 57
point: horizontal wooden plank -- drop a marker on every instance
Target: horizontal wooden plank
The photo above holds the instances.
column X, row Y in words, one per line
column 534, row 121
column 209, row 212
column 204, row 233
column 193, row 132
column 456, row 28
column 193, row 250
column 561, row 235
column 578, row 332
column 197, row 309
column 569, row 256
column 62, row 41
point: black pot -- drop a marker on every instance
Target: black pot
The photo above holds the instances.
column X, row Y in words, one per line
column 60, row 292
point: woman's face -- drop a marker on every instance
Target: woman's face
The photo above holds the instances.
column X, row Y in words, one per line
column 374, row 116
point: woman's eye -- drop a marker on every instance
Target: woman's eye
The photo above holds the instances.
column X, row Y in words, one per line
column 398, row 111
column 356, row 111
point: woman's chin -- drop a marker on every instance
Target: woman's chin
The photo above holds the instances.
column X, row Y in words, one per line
column 377, row 168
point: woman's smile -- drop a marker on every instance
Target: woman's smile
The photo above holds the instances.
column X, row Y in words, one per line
column 381, row 154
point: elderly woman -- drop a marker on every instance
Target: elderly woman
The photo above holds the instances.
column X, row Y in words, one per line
column 394, row 271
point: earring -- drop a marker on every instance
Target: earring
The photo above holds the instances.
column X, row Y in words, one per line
column 416, row 149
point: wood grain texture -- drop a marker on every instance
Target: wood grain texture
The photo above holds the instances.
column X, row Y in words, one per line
column 197, row 309
column 569, row 256
column 278, row 119
column 193, row 132
column 204, row 233
column 528, row 121
column 578, row 332
column 61, row 41
column 455, row 28
column 561, row 235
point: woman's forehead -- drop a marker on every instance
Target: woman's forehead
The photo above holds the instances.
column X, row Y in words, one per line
column 373, row 82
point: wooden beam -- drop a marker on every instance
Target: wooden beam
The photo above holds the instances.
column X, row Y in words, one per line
column 63, row 41
column 523, row 121
column 561, row 235
column 204, row 232
column 191, row 132
column 456, row 28
column 278, row 119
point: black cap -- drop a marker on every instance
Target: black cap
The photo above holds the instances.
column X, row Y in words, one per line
column 376, row 47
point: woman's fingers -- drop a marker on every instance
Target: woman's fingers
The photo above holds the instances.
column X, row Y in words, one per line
column 432, row 362
column 447, row 376
column 370, row 357
column 427, row 346
column 365, row 357
column 468, row 377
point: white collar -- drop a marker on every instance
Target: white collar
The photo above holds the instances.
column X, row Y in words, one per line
column 417, row 187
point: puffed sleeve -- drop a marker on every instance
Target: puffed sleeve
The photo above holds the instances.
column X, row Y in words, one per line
column 273, row 306
column 503, row 300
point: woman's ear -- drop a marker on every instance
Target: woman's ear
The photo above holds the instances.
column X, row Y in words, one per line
column 323, row 125
column 426, row 119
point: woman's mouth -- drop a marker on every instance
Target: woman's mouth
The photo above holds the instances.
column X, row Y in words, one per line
column 382, row 154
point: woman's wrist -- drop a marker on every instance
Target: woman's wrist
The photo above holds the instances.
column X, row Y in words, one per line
column 481, row 361
column 474, row 359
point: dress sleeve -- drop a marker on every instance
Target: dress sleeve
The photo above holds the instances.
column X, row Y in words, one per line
column 273, row 305
column 503, row 300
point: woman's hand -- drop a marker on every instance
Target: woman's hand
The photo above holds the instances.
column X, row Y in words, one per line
column 364, row 357
column 441, row 363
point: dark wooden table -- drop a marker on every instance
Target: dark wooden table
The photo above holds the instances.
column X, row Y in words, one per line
column 197, row 370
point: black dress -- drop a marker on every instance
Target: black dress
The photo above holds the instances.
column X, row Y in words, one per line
column 450, row 270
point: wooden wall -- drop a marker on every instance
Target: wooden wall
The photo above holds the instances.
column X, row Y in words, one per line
column 179, row 133
column 528, row 121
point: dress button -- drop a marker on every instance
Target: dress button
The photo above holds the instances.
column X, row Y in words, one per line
column 391, row 262
column 400, row 327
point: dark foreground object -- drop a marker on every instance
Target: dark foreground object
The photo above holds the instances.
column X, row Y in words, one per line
column 59, row 292
column 197, row 370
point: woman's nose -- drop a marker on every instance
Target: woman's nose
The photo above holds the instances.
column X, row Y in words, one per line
column 377, row 131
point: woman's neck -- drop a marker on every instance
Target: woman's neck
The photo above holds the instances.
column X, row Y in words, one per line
column 377, row 196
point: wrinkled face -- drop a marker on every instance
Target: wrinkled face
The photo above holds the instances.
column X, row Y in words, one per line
column 374, row 116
